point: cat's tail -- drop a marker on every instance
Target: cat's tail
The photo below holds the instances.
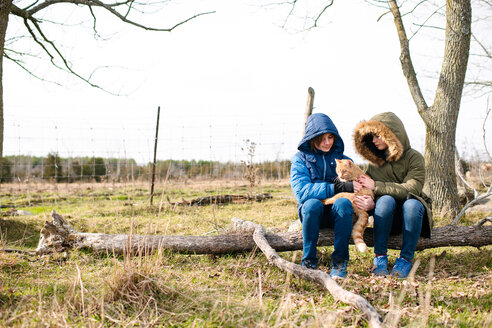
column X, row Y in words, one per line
column 329, row 201
column 358, row 232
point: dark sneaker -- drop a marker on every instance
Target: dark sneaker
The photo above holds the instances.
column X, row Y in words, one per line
column 402, row 268
column 309, row 264
column 380, row 265
column 338, row 270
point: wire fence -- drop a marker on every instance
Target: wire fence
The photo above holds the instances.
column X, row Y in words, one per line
column 54, row 169
column 119, row 148
column 71, row 149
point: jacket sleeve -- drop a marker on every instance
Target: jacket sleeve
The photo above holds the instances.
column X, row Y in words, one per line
column 303, row 187
column 412, row 183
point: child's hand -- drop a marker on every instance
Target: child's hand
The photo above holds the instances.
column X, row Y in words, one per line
column 357, row 186
column 365, row 203
column 367, row 182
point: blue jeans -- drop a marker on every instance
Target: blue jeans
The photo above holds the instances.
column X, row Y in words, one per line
column 412, row 213
column 314, row 216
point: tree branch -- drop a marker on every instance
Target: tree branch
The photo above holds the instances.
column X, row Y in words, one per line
column 485, row 50
column 459, row 173
column 124, row 18
column 21, row 65
column 48, row 3
column 322, row 12
column 94, row 20
column 427, row 19
column 52, row 58
column 51, row 49
column 483, row 129
column 406, row 61
column 477, row 199
column 484, row 220
column 320, row 277
column 291, row 11
column 109, row 7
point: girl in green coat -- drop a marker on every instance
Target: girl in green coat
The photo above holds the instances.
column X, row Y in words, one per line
column 396, row 175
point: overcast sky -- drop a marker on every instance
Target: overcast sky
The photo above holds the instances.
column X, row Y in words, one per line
column 222, row 78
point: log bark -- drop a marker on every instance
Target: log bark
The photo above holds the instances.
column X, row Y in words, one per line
column 317, row 276
column 58, row 236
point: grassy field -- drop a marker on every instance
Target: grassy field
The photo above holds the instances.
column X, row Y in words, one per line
column 81, row 289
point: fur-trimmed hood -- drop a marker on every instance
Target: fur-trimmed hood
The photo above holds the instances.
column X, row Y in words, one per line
column 390, row 129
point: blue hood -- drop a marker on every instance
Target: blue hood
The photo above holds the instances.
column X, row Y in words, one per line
column 318, row 124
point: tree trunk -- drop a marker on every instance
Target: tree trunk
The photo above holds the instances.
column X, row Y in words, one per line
column 59, row 236
column 441, row 118
column 4, row 19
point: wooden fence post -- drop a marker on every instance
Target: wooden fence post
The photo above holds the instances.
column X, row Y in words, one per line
column 309, row 108
column 155, row 155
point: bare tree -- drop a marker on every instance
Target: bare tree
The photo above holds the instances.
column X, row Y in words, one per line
column 32, row 14
column 441, row 117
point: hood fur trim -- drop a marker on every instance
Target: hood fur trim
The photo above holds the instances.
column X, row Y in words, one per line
column 395, row 147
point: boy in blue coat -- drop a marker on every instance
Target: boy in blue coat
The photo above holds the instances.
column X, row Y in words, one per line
column 313, row 178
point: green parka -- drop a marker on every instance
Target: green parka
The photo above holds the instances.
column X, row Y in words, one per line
column 398, row 171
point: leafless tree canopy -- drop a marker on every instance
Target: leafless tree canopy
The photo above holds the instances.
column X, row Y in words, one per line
column 31, row 13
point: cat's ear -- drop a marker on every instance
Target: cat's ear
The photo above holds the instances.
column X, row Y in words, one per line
column 350, row 163
column 337, row 160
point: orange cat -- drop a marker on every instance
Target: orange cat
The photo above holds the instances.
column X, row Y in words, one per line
column 348, row 171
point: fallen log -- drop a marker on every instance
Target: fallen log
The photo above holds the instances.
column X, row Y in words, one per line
column 222, row 199
column 58, row 236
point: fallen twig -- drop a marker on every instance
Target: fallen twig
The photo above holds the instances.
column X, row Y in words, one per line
column 483, row 221
column 20, row 251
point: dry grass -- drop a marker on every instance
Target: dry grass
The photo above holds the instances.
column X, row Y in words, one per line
column 451, row 286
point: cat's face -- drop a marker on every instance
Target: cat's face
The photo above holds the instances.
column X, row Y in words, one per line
column 344, row 169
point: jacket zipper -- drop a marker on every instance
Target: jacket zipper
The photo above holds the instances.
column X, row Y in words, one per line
column 324, row 168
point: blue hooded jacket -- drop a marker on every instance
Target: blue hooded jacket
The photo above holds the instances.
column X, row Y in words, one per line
column 312, row 172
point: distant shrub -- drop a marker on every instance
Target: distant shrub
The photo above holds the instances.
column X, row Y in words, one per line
column 53, row 168
column 6, row 170
column 99, row 169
